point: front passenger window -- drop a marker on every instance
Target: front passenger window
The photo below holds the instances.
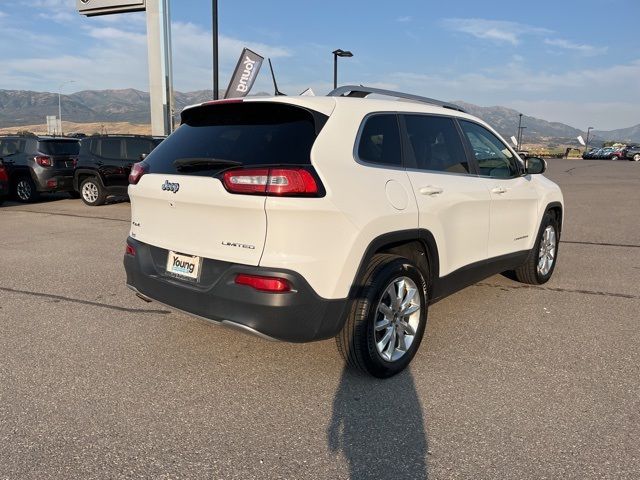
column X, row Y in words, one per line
column 493, row 157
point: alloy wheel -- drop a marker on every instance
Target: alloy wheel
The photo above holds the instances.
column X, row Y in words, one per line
column 397, row 319
column 547, row 254
column 90, row 192
column 23, row 190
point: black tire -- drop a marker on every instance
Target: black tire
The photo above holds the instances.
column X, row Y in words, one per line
column 91, row 192
column 357, row 339
column 528, row 272
column 25, row 190
column 74, row 194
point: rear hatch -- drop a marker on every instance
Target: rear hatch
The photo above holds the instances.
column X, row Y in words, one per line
column 62, row 152
column 183, row 204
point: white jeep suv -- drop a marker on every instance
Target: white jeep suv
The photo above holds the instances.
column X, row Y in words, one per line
column 304, row 218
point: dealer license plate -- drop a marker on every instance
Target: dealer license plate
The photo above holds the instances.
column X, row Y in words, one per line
column 185, row 266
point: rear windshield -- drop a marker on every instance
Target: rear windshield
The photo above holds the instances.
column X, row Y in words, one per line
column 59, row 147
column 246, row 134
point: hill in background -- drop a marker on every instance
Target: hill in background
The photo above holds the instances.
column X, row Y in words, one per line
column 20, row 108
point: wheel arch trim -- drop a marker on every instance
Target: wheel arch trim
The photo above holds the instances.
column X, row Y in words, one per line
column 82, row 172
column 390, row 239
column 555, row 205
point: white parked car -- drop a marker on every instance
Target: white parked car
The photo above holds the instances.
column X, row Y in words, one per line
column 304, row 218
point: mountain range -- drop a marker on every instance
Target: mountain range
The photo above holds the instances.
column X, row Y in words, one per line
column 21, row 107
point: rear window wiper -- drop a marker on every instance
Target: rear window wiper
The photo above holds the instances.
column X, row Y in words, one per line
column 203, row 163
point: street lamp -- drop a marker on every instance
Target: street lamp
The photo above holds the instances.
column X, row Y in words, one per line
column 60, row 102
column 214, row 24
column 586, row 147
column 520, row 138
column 338, row 53
column 519, row 130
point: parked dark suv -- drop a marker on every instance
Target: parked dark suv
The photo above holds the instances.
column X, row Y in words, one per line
column 104, row 164
column 4, row 182
column 39, row 164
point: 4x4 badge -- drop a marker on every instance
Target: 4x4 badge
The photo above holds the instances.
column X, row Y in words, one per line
column 170, row 187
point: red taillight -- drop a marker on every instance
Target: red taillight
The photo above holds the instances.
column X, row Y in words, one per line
column 251, row 180
column 271, row 181
column 43, row 160
column 130, row 250
column 137, row 171
column 3, row 174
column 291, row 181
column 264, row 284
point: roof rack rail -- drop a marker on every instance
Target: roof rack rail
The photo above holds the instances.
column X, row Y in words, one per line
column 360, row 91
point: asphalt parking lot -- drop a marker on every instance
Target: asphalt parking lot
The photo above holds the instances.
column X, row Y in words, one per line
column 511, row 381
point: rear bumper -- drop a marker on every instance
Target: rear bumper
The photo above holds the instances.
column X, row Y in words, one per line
column 297, row 316
column 4, row 188
column 52, row 181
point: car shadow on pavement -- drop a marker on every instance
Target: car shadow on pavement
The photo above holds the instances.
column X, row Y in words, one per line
column 378, row 427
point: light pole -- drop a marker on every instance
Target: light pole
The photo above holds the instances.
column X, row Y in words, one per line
column 214, row 24
column 519, row 129
column 60, row 102
column 338, row 53
column 586, row 147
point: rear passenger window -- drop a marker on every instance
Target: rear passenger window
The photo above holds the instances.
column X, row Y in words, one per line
column 380, row 141
column 436, row 144
column 110, row 148
column 11, row 146
column 138, row 146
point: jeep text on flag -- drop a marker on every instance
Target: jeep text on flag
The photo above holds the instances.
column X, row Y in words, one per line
column 244, row 75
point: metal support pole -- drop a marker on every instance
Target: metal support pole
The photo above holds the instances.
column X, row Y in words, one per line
column 214, row 23
column 59, row 131
column 60, row 112
column 335, row 70
column 586, row 147
column 521, row 135
column 519, row 130
column 160, row 69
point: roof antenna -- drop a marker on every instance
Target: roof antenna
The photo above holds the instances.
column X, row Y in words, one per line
column 275, row 84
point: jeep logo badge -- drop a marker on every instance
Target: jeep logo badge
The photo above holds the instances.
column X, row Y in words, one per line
column 170, row 187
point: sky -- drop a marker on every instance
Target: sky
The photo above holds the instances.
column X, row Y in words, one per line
column 576, row 62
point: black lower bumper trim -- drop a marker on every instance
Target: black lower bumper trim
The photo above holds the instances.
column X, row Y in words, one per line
column 297, row 316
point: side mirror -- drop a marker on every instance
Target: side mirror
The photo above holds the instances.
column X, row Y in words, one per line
column 143, row 156
column 534, row 165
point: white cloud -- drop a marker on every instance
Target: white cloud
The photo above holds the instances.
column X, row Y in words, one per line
column 582, row 49
column 515, row 84
column 60, row 17
column 2, row 14
column 405, row 18
column 117, row 35
column 48, row 3
column 117, row 58
column 499, row 31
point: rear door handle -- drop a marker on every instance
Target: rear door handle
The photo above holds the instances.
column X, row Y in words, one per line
column 431, row 190
column 499, row 190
